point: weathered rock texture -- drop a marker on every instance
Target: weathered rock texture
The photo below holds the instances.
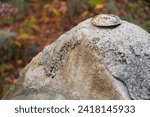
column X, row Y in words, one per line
column 89, row 62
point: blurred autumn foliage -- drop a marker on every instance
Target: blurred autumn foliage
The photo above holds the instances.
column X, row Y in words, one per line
column 38, row 23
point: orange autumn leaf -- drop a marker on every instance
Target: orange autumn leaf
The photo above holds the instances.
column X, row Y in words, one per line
column 36, row 4
column 99, row 6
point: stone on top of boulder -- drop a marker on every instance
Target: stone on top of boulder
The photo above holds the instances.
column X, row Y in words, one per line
column 89, row 62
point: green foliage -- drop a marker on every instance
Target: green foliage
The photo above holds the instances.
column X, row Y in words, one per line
column 6, row 21
column 144, row 0
column 4, row 0
column 27, row 27
column 146, row 25
column 20, row 4
column 112, row 6
column 95, row 2
column 43, row 1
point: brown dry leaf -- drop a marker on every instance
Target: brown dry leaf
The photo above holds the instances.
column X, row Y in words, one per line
column 55, row 11
column 19, row 62
column 84, row 14
column 36, row 28
column 36, row 4
column 44, row 14
column 63, row 8
column 47, row 7
column 26, row 36
column 57, row 19
column 44, row 19
column 17, row 43
column 10, row 80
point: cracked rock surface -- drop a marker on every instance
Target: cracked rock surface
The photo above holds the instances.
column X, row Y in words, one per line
column 89, row 62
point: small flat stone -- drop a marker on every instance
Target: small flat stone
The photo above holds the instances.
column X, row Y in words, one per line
column 106, row 20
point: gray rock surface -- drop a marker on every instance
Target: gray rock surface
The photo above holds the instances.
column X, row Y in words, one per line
column 89, row 62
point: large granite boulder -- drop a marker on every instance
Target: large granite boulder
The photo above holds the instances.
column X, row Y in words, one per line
column 89, row 62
